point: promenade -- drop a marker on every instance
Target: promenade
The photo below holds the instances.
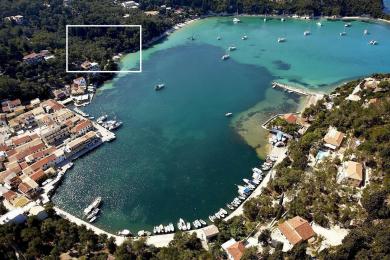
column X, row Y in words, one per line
column 118, row 239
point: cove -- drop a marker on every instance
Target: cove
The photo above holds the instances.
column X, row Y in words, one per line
column 177, row 155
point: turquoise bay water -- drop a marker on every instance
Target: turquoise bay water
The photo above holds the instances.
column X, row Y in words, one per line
column 386, row 4
column 177, row 155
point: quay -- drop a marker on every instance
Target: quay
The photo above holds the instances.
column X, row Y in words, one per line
column 118, row 239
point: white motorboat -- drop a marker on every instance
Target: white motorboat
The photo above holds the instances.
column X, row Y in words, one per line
column 124, row 232
column 306, row 33
column 202, row 222
column 343, row 33
column 92, row 206
column 228, row 114
column 229, row 206
column 232, row 48
column 223, row 211
column 212, row 218
column 93, row 213
column 159, row 87
column 236, row 20
column 257, row 170
column 347, row 25
column 188, row 225
column 225, row 57
column 92, row 219
column 282, row 19
column 281, row 39
column 365, row 32
column 319, row 24
column 244, row 37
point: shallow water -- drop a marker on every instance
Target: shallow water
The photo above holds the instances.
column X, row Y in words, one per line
column 177, row 155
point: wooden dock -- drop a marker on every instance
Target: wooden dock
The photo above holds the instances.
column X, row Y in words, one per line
column 291, row 89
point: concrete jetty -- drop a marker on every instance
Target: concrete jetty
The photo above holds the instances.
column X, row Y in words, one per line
column 291, row 89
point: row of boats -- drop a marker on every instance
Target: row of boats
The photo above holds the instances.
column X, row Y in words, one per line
column 108, row 124
column 245, row 190
column 181, row 225
column 91, row 212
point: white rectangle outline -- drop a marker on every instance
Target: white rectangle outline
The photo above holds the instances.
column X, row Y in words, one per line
column 103, row 25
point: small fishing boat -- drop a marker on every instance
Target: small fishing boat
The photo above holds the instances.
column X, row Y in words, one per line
column 244, row 37
column 229, row 206
column 281, row 39
column 225, row 57
column 306, row 33
column 223, row 211
column 343, row 33
column 188, row 225
column 92, row 219
column 347, row 25
column 365, row 32
column 319, row 24
column 373, row 42
column 228, row 114
column 202, row 222
column 282, row 19
column 232, row 48
column 212, row 218
column 159, row 87
column 236, row 20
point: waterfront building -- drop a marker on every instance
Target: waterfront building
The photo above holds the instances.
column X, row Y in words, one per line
column 333, row 138
column 43, row 164
column 296, row 230
column 14, row 216
column 209, row 232
column 54, row 134
column 62, row 115
column 84, row 142
column 81, row 128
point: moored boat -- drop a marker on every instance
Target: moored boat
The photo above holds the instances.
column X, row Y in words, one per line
column 225, row 57
column 159, row 87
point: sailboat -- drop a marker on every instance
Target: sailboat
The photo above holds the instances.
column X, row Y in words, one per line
column 235, row 19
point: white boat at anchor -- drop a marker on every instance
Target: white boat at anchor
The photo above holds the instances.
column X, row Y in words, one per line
column 225, row 57
column 365, row 32
column 319, row 24
column 373, row 42
column 306, row 33
column 232, row 48
column 92, row 206
column 281, row 39
column 228, row 114
column 343, row 33
column 245, row 37
column 236, row 20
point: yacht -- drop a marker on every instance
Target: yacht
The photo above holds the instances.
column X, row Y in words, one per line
column 281, row 39
column 181, row 225
column 257, row 170
column 347, row 25
column 93, row 213
column 115, row 125
column 306, row 33
column 228, row 114
column 225, row 57
column 212, row 218
column 159, row 87
column 229, row 206
column 245, row 37
column 92, row 219
column 282, row 19
column 93, row 205
column 202, row 222
column 365, row 32
column 188, row 226
column 343, row 33
column 232, row 48
column 319, row 24
column 223, row 211
column 236, row 20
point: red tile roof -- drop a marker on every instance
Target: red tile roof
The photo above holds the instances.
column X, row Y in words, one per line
column 290, row 118
column 296, row 230
column 24, row 188
column 9, row 195
column 236, row 250
column 37, row 175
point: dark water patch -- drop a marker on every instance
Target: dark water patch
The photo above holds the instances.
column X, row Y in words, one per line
column 281, row 65
column 297, row 81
